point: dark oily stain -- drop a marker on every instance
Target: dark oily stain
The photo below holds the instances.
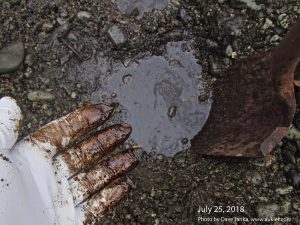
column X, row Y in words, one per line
column 95, row 147
column 72, row 126
column 139, row 7
column 104, row 173
column 95, row 207
column 159, row 98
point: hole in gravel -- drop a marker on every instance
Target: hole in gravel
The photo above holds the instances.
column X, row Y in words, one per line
column 165, row 98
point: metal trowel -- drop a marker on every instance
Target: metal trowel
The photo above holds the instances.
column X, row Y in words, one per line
column 253, row 103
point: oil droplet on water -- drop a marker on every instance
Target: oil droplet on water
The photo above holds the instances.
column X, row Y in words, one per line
column 159, row 97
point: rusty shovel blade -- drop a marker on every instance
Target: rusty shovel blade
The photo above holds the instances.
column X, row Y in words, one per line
column 254, row 103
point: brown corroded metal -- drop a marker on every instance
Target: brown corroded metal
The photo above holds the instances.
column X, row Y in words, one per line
column 253, row 103
column 95, row 147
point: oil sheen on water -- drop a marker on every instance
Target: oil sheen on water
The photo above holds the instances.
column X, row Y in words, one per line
column 164, row 98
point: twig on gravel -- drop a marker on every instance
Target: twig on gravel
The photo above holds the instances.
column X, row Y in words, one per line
column 72, row 49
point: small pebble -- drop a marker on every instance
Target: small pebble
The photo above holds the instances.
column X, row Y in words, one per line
column 295, row 178
column 184, row 141
column 116, row 35
column 47, row 27
column 59, row 32
column 126, row 79
column 284, row 191
column 268, row 24
column 229, row 51
column 274, row 38
column 251, row 4
column 172, row 111
column 73, row 95
column 84, row 15
column 29, row 60
column 35, row 96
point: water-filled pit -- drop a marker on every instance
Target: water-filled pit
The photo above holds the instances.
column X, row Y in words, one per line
column 164, row 98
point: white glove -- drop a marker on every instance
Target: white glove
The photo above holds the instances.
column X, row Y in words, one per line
column 43, row 183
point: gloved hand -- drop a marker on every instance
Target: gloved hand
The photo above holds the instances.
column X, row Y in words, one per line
column 45, row 181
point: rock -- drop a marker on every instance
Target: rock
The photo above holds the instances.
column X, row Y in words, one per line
column 59, row 32
column 274, row 38
column 251, row 4
column 116, row 35
column 172, row 111
column 267, row 211
column 234, row 25
column 180, row 160
column 84, row 15
column 14, row 2
column 215, row 66
column 283, row 20
column 28, row 72
column 294, row 177
column 47, row 26
column 114, row 95
column 184, row 17
column 72, row 37
column 284, row 191
column 175, row 63
column 286, row 207
column 289, row 156
column 255, row 178
column 229, row 51
column 268, row 24
column 73, row 95
column 152, row 194
column 126, row 79
column 176, row 3
column 29, row 60
column 11, row 57
column 293, row 134
column 228, row 186
column 184, row 141
column 296, row 206
column 35, row 96
column 64, row 59
column 160, row 157
column 211, row 43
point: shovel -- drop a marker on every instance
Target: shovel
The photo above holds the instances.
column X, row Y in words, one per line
column 253, row 103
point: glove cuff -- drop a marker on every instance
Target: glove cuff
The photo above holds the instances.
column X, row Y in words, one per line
column 10, row 122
